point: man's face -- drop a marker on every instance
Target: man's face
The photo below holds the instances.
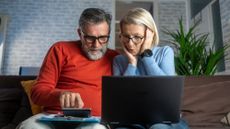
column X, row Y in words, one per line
column 94, row 38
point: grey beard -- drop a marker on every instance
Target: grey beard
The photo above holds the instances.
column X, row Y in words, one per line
column 98, row 56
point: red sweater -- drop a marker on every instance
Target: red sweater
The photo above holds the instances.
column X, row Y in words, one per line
column 65, row 67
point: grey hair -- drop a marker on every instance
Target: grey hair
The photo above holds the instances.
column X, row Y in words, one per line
column 94, row 16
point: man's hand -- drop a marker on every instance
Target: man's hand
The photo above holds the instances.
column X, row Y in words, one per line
column 71, row 100
column 148, row 40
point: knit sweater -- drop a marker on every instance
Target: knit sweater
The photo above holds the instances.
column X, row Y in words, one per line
column 66, row 67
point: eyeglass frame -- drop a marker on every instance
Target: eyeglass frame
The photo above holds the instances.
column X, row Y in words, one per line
column 94, row 38
column 132, row 39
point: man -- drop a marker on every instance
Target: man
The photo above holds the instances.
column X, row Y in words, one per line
column 70, row 76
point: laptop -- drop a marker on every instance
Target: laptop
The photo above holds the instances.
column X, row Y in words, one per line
column 141, row 99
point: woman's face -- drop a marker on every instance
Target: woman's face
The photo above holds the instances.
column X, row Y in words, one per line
column 132, row 37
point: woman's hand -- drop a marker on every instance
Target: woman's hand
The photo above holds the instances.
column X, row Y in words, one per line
column 147, row 44
column 131, row 58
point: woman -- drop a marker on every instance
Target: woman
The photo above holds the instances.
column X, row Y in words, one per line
column 139, row 39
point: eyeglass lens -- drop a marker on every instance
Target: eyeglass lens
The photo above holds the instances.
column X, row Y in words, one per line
column 135, row 39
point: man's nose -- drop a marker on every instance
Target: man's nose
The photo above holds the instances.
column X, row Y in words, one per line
column 96, row 43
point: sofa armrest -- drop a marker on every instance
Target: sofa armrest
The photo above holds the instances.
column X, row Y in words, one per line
column 23, row 113
column 14, row 103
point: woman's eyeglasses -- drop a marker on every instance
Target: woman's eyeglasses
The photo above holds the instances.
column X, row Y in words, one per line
column 135, row 39
column 91, row 39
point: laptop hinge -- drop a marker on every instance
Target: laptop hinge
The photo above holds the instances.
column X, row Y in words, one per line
column 167, row 122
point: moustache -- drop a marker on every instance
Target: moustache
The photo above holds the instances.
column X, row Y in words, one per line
column 95, row 49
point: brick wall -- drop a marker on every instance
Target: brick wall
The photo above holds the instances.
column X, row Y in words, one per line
column 225, row 20
column 35, row 25
column 169, row 14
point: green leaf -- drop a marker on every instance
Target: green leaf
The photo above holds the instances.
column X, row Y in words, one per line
column 193, row 56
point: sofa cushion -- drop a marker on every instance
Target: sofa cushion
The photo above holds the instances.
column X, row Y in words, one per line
column 27, row 85
column 206, row 103
column 9, row 104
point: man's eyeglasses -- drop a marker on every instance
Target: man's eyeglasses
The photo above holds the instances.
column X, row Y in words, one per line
column 91, row 39
column 135, row 39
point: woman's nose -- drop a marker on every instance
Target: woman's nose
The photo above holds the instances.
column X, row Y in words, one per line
column 130, row 42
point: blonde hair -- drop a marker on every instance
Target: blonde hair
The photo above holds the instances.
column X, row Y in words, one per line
column 141, row 16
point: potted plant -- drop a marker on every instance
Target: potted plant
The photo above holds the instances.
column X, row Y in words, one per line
column 192, row 56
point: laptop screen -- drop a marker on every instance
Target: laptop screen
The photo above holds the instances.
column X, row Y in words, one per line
column 141, row 99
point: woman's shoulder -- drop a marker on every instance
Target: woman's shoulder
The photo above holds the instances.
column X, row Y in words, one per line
column 162, row 49
column 119, row 56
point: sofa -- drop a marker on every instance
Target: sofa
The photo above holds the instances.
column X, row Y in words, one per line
column 206, row 99
column 14, row 103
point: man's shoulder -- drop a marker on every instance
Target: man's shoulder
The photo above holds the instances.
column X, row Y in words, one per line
column 112, row 52
column 66, row 43
column 63, row 45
